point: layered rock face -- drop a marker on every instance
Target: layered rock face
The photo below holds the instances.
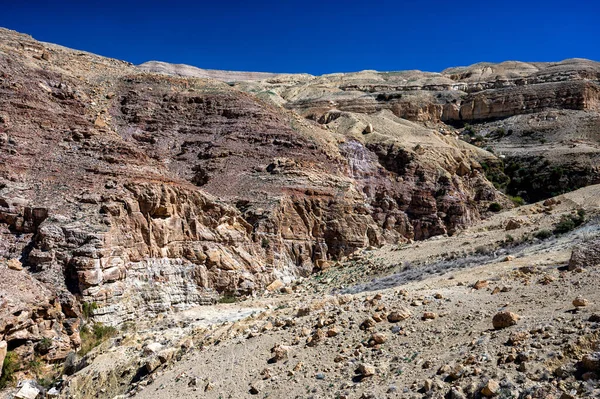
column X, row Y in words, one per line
column 477, row 93
column 144, row 193
column 541, row 118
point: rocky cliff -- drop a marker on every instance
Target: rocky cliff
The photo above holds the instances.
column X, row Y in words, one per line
column 143, row 192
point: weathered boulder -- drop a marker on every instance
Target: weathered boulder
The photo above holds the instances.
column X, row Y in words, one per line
column 586, row 254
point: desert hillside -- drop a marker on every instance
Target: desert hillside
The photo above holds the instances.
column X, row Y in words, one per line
column 170, row 231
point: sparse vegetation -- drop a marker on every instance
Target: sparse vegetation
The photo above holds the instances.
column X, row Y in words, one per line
column 569, row 222
column 495, row 207
column 90, row 338
column 228, row 299
column 88, row 309
column 9, row 367
column 543, row 234
column 517, row 200
column 265, row 243
column 44, row 345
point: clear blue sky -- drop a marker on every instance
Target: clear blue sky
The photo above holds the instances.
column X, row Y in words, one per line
column 316, row 36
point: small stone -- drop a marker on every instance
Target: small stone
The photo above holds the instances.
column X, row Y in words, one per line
column 379, row 338
column 368, row 129
column 429, row 316
column 480, row 284
column 99, row 122
column 152, row 364
column 320, row 376
column 504, row 319
column 275, row 286
column 399, row 315
column 491, row 388
column 367, row 324
column 14, row 264
column 333, row 331
column 580, row 302
column 303, row 312
column 365, row 370
column 518, row 337
column 280, row 352
column 287, row 290
column 256, row 387
column 152, row 348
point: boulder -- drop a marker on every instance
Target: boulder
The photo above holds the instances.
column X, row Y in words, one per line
column 491, row 388
column 27, row 391
column 399, row 315
column 14, row 264
column 504, row 319
column 586, row 254
column 580, row 302
column 365, row 370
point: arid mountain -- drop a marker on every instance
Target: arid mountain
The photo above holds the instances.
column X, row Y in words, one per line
column 133, row 193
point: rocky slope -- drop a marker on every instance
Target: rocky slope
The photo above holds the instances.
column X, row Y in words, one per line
column 138, row 193
column 129, row 193
column 471, row 316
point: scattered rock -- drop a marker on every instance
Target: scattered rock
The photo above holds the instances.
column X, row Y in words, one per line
column 365, row 370
column 378, row 338
column 333, row 331
column 280, row 352
column 580, row 302
column 367, row 324
column 27, row 391
column 14, row 264
column 256, row 387
column 153, row 348
column 399, row 315
column 504, row 319
column 586, row 254
column 513, row 224
column 429, row 316
column 275, row 285
column 491, row 388
column 480, row 284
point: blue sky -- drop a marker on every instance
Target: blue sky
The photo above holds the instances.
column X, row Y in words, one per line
column 316, row 36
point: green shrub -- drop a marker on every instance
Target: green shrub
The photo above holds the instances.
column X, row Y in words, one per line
column 90, row 338
column 227, row 299
column 470, row 130
column 495, row 207
column 9, row 367
column 88, row 309
column 543, row 234
column 44, row 345
column 569, row 222
column 518, row 201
